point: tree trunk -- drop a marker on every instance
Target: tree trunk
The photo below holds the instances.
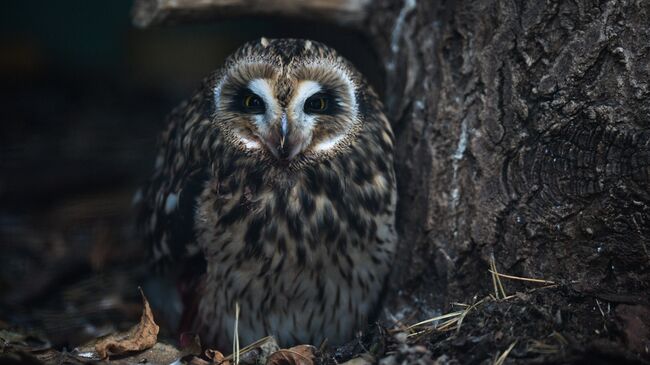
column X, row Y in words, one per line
column 524, row 140
column 523, row 136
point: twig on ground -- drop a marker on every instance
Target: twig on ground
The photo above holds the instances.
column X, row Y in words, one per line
column 522, row 278
column 500, row 359
column 499, row 291
column 235, row 340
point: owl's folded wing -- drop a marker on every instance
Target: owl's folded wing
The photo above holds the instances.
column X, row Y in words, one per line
column 167, row 203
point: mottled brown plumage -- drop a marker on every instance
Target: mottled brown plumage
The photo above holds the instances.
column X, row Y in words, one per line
column 279, row 173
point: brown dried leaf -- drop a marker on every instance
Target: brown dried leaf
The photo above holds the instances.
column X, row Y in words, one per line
column 140, row 337
column 195, row 360
column 297, row 355
column 216, row 357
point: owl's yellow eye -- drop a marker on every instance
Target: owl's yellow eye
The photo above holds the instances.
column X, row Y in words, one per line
column 253, row 104
column 317, row 104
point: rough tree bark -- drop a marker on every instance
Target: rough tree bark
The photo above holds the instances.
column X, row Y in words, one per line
column 524, row 136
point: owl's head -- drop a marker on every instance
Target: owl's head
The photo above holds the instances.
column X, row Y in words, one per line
column 287, row 100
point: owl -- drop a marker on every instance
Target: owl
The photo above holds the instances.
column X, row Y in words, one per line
column 274, row 190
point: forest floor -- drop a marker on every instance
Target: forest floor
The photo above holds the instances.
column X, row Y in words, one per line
column 77, row 288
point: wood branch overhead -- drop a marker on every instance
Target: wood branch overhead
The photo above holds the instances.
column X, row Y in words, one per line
column 147, row 13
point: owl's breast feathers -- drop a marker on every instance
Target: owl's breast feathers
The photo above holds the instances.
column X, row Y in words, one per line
column 304, row 250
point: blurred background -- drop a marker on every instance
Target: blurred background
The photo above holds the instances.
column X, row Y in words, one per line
column 83, row 96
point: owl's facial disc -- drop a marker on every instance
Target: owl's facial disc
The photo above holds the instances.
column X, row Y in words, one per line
column 309, row 111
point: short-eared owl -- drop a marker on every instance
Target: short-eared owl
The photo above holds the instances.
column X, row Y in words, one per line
column 274, row 188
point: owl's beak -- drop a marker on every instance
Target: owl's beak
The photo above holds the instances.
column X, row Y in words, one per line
column 283, row 144
column 284, row 131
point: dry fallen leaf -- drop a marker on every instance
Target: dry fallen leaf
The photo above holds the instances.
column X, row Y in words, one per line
column 216, row 357
column 297, row 355
column 140, row 337
column 195, row 360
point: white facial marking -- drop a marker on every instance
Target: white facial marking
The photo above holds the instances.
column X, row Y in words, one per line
column 309, row 88
column 328, row 144
column 305, row 90
column 350, row 89
column 262, row 89
column 216, row 92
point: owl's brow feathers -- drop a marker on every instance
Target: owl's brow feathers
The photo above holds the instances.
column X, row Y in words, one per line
column 328, row 74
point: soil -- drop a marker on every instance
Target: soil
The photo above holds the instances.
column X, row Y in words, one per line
column 551, row 325
column 531, row 322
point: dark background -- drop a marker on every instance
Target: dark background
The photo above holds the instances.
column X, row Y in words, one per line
column 83, row 96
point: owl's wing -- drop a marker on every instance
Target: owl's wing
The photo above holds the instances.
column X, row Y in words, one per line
column 168, row 202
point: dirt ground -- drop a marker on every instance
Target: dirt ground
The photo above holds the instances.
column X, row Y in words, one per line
column 55, row 314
